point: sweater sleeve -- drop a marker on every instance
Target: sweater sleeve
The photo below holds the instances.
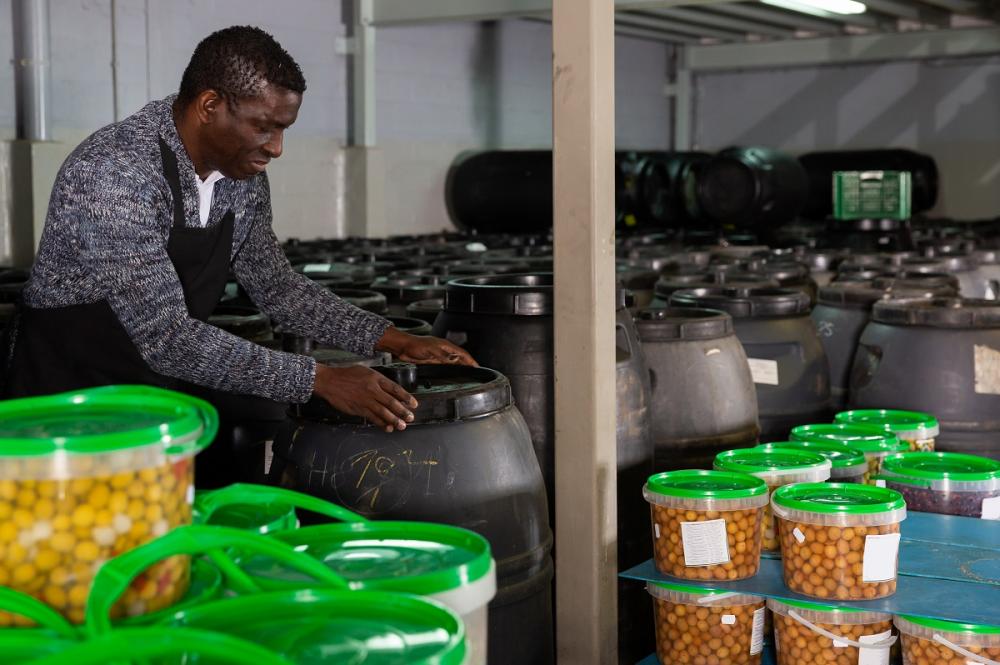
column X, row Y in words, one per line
column 299, row 304
column 124, row 246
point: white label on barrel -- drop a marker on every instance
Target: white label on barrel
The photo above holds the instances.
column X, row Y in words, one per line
column 764, row 371
column 728, row 619
column 987, row 369
column 879, row 564
column 705, row 543
column 799, row 536
column 874, row 656
column 991, row 508
column 757, row 636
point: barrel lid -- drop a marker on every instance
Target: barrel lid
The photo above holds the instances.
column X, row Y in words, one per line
column 830, row 498
column 866, row 438
column 951, row 626
column 841, row 455
column 680, row 323
column 744, row 303
column 764, row 459
column 443, row 393
column 906, row 424
column 359, row 627
column 861, row 294
column 104, row 420
column 521, row 295
column 823, row 260
column 257, row 518
column 422, row 558
column 941, row 466
column 410, row 325
column 687, row 588
column 701, row 484
column 783, row 271
column 939, row 313
column 923, row 264
column 228, row 315
column 932, row 283
column 410, row 289
column 428, row 305
column 818, row 607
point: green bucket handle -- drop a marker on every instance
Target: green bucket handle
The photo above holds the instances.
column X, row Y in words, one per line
column 115, row 576
column 128, row 645
column 29, row 607
column 206, row 412
column 255, row 495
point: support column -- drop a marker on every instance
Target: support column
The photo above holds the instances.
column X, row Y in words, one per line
column 583, row 114
column 680, row 89
column 365, row 173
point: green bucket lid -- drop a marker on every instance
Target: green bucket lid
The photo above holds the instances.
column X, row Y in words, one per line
column 687, row 588
column 411, row 557
column 817, row 607
column 261, row 518
column 762, row 460
column 838, row 498
column 107, row 419
column 841, row 455
column 914, row 423
column 951, row 626
column 701, row 484
column 313, row 626
column 941, row 466
column 866, row 438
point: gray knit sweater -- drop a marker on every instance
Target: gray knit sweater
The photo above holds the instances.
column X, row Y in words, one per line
column 105, row 238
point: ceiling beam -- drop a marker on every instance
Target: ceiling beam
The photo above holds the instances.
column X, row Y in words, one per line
column 648, row 20
column 653, row 35
column 777, row 17
column 910, row 11
column 846, row 50
column 959, row 6
column 398, row 12
column 714, row 19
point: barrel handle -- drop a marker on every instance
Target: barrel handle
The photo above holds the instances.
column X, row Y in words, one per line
column 884, row 644
column 31, row 608
column 254, row 495
column 620, row 328
column 974, row 657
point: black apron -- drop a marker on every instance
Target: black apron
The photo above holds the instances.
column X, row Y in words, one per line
column 81, row 346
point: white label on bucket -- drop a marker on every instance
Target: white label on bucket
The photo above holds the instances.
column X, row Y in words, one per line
column 757, row 636
column 705, row 543
column 879, row 564
column 728, row 619
column 799, row 536
column 764, row 371
column 656, row 529
column 879, row 482
column 991, row 508
column 316, row 267
column 190, row 495
column 986, row 363
column 874, row 656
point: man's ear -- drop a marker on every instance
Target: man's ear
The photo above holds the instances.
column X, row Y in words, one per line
column 207, row 106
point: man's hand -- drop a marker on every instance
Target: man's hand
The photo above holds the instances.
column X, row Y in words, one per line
column 422, row 350
column 360, row 391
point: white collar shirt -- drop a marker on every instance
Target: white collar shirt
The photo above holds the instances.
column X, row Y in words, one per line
column 206, row 188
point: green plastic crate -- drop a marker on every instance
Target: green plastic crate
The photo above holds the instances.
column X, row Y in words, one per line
column 872, row 194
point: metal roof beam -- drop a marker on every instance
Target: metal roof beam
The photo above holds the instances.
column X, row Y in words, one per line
column 710, row 18
column 397, row 12
column 959, row 6
column 648, row 20
column 860, row 20
column 778, row 17
column 846, row 50
column 910, row 11
column 653, row 35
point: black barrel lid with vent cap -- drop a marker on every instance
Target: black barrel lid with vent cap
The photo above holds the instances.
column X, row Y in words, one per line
column 861, row 295
column 520, row 295
column 941, row 284
column 960, row 313
column 668, row 324
column 410, row 289
column 743, row 303
column 444, row 393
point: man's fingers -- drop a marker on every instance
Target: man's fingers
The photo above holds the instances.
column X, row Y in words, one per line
column 397, row 392
column 385, row 418
column 454, row 355
column 396, row 407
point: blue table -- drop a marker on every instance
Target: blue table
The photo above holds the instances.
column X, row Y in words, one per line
column 949, row 568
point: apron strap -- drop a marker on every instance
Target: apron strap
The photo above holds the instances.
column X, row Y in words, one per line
column 172, row 174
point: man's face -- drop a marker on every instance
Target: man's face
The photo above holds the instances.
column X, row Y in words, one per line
column 246, row 134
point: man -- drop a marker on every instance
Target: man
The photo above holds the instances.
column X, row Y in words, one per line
column 146, row 220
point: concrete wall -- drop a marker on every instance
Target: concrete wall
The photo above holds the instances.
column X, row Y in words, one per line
column 440, row 89
column 947, row 108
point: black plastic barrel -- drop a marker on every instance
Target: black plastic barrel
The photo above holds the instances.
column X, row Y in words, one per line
column 669, row 284
column 370, row 301
column 465, row 460
column 704, row 401
column 425, row 310
column 246, row 322
column 841, row 314
column 410, row 326
column 747, row 187
column 650, row 191
column 401, row 292
column 822, row 165
column 508, row 191
column 940, row 356
column 787, row 361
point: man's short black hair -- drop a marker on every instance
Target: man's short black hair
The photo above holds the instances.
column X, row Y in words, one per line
column 236, row 62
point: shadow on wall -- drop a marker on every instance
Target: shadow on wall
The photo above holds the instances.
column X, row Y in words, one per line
column 947, row 108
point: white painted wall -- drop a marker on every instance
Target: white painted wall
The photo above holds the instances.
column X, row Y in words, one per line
column 947, row 108
column 440, row 89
